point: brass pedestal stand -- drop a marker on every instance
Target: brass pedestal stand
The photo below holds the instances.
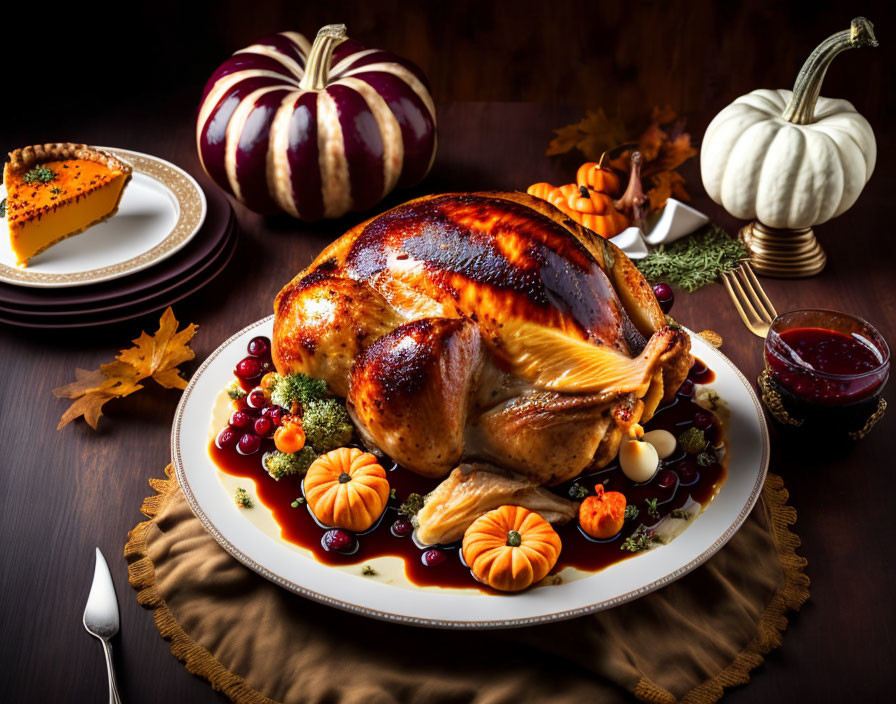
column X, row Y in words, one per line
column 785, row 254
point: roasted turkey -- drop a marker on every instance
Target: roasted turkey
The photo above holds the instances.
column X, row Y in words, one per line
column 486, row 330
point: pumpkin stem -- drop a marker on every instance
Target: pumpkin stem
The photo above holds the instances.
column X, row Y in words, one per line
column 345, row 477
column 633, row 200
column 514, row 539
column 801, row 110
column 317, row 65
column 600, row 162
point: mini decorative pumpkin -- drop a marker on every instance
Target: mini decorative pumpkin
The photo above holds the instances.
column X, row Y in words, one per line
column 601, row 516
column 315, row 130
column 290, row 435
column 792, row 160
column 346, row 488
column 510, row 548
column 598, row 177
column 590, row 208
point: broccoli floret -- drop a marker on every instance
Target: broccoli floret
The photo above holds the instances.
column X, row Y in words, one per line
column 296, row 387
column 692, row 440
column 235, row 391
column 327, row 425
column 281, row 464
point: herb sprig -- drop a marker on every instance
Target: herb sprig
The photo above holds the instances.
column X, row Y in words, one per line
column 242, row 498
column 410, row 507
column 641, row 539
column 695, row 261
column 40, row 174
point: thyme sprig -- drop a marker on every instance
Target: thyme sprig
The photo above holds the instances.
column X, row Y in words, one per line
column 694, row 261
column 577, row 491
column 410, row 507
column 641, row 539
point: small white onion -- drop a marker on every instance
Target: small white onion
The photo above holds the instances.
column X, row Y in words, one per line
column 663, row 441
column 639, row 460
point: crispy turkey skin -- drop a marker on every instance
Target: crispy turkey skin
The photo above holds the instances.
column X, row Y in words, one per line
column 482, row 327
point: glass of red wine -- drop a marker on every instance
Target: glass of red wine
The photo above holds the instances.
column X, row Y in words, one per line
column 825, row 370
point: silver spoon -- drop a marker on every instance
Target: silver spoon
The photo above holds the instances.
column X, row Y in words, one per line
column 101, row 616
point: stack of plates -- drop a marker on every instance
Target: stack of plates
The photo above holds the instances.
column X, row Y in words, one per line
column 166, row 241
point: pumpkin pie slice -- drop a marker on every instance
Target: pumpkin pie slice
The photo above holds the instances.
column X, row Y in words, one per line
column 54, row 191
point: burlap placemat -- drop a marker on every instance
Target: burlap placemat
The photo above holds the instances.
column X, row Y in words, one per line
column 258, row 643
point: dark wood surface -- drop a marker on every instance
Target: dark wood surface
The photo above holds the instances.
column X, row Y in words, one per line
column 66, row 492
column 63, row 493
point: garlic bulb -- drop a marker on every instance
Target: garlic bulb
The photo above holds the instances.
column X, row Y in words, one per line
column 639, row 460
column 663, row 441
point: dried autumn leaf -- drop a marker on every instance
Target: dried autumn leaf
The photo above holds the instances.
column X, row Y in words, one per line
column 665, row 146
column 159, row 353
column 152, row 355
column 663, row 115
column 665, row 185
column 673, row 154
column 592, row 135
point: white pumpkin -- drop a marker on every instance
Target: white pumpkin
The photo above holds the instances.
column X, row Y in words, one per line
column 791, row 159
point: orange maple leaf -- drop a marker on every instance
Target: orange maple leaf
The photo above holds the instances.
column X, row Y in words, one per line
column 152, row 355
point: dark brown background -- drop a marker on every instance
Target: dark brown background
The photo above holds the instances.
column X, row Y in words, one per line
column 503, row 75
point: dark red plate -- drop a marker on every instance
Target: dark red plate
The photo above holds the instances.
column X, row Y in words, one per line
column 151, row 304
column 121, row 303
column 208, row 241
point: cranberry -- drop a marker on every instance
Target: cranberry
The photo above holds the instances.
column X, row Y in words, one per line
column 666, row 479
column 248, row 368
column 433, row 558
column 226, row 438
column 240, row 419
column 686, row 390
column 249, row 444
column 687, row 472
column 664, row 296
column 262, row 426
column 703, row 420
column 266, row 366
column 256, row 399
column 259, row 346
column 338, row 540
column 401, row 528
column 275, row 416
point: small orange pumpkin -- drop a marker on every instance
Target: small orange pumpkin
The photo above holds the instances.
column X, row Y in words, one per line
column 290, row 435
column 346, row 488
column 602, row 515
column 598, row 177
column 590, row 208
column 510, row 548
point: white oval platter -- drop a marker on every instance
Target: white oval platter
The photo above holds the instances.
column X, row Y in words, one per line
column 161, row 210
column 252, row 536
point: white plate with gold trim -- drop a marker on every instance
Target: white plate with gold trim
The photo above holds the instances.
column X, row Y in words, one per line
column 253, row 537
column 161, row 210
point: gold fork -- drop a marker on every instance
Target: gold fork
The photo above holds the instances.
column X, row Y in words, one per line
column 754, row 307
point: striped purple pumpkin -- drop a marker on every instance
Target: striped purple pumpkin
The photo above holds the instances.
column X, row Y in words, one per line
column 315, row 130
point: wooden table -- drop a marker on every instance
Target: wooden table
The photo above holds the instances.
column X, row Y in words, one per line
column 65, row 492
